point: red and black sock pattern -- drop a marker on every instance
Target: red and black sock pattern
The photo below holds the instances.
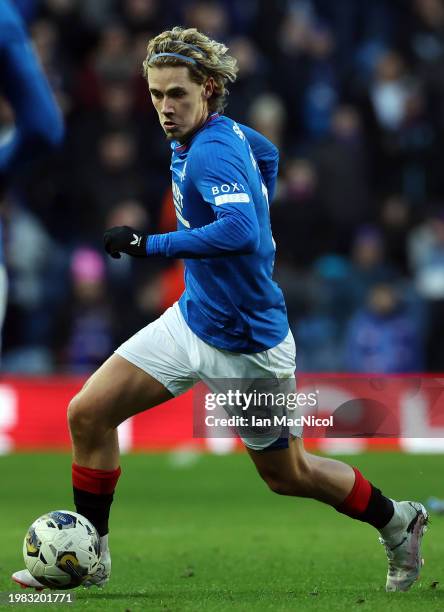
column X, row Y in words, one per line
column 93, row 494
column 366, row 503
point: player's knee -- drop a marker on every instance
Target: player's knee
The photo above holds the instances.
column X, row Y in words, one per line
column 281, row 486
column 77, row 415
column 290, row 485
column 296, row 482
column 83, row 419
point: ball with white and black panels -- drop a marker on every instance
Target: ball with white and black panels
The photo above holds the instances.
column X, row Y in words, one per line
column 61, row 549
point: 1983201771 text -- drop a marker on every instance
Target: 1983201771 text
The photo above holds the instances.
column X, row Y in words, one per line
column 53, row 597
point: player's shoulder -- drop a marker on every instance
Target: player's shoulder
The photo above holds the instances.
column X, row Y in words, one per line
column 221, row 137
column 220, row 128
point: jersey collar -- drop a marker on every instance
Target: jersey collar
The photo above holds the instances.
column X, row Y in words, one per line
column 178, row 148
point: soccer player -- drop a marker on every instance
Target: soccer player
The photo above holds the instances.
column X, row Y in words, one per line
column 231, row 321
column 38, row 121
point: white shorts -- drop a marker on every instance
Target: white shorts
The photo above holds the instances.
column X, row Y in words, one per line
column 170, row 352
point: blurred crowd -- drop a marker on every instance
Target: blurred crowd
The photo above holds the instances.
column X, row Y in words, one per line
column 352, row 92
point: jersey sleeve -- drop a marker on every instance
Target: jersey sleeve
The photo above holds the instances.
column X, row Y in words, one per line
column 38, row 121
column 267, row 157
column 218, row 171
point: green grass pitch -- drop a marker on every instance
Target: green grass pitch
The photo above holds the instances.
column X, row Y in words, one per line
column 209, row 536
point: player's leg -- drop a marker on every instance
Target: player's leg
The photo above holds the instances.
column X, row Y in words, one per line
column 147, row 370
column 116, row 391
column 293, row 471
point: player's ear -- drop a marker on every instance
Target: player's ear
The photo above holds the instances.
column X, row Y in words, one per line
column 209, row 88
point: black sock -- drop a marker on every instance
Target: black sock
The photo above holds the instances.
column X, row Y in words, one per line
column 379, row 511
column 94, row 507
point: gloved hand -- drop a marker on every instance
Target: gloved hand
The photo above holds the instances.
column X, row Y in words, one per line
column 124, row 239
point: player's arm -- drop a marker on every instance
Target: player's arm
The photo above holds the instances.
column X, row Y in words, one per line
column 38, row 121
column 233, row 233
column 267, row 157
column 235, row 230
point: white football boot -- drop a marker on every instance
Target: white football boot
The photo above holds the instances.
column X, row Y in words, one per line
column 103, row 572
column 25, row 579
column 402, row 540
column 100, row 577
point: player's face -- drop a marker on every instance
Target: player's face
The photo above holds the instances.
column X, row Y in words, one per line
column 182, row 105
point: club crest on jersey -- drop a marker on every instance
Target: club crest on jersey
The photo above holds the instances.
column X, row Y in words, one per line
column 183, row 174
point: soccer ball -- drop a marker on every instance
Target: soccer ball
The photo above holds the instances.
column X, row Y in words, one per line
column 61, row 549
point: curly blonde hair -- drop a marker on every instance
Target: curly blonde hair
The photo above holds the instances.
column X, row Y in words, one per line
column 211, row 57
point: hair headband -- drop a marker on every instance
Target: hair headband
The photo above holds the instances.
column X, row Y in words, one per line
column 180, row 56
column 184, row 58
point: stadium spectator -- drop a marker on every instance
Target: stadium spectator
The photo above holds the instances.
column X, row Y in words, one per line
column 253, row 78
column 83, row 332
column 321, row 88
column 383, row 337
column 396, row 219
column 134, row 287
column 402, row 131
column 426, row 254
column 341, row 163
column 110, row 60
column 291, row 55
column 329, row 303
column 141, row 15
column 37, row 284
column 369, row 264
column 208, row 16
column 298, row 216
column 112, row 176
column 268, row 116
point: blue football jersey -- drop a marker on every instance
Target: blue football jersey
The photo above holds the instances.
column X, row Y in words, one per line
column 221, row 181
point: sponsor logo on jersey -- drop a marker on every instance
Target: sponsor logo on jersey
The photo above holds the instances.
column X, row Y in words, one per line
column 232, row 198
column 229, row 193
column 227, row 188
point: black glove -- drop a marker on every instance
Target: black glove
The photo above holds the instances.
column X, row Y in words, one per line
column 125, row 240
